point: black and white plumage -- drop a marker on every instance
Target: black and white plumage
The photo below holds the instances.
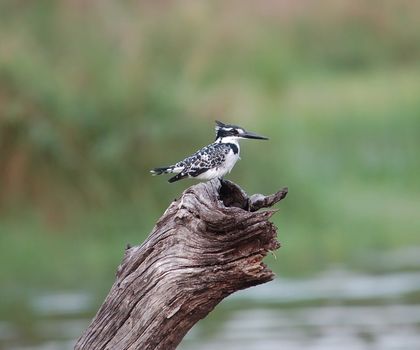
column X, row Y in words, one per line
column 214, row 160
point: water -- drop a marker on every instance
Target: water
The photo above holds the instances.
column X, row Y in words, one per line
column 335, row 309
column 394, row 326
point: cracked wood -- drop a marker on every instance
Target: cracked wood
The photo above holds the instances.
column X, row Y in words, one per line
column 207, row 245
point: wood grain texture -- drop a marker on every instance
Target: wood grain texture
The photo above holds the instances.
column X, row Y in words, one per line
column 207, row 245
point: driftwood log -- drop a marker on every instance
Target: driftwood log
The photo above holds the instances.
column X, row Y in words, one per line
column 207, row 245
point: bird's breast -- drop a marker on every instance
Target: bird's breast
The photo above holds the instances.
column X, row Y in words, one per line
column 231, row 159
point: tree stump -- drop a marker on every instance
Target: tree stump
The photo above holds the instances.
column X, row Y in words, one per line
column 207, row 245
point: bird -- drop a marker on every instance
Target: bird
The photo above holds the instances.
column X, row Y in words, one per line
column 212, row 161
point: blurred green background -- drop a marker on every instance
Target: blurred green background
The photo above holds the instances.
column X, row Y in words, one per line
column 93, row 94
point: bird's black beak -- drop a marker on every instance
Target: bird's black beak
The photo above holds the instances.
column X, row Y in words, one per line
column 251, row 135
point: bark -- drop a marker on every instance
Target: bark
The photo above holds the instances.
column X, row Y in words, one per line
column 207, row 245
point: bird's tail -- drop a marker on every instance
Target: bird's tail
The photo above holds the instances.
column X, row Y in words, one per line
column 177, row 177
column 163, row 170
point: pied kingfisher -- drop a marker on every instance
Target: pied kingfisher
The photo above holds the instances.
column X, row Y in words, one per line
column 214, row 160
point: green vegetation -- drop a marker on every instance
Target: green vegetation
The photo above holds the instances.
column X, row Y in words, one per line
column 94, row 95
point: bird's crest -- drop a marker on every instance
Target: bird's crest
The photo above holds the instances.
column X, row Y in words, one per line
column 219, row 125
column 227, row 127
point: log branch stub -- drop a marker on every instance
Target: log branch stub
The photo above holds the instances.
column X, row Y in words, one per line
column 207, row 245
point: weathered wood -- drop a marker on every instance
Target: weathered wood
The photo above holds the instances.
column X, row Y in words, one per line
column 207, row 245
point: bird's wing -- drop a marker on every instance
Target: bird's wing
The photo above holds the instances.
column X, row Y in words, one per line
column 207, row 158
column 204, row 159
